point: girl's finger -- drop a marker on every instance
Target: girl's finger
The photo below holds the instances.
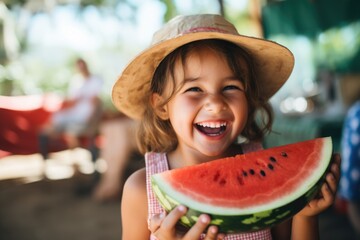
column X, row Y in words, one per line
column 335, row 167
column 200, row 227
column 332, row 182
column 212, row 234
column 333, row 176
column 337, row 158
column 173, row 217
column 328, row 196
column 155, row 221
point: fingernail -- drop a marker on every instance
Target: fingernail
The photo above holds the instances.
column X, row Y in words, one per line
column 204, row 219
column 213, row 229
column 181, row 208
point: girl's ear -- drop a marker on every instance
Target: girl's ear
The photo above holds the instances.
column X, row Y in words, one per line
column 159, row 108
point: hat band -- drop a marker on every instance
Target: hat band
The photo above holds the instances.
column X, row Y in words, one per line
column 205, row 29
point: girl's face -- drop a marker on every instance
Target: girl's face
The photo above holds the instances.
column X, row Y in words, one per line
column 209, row 111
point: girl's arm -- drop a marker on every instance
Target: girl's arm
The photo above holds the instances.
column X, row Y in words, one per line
column 282, row 231
column 305, row 228
column 134, row 208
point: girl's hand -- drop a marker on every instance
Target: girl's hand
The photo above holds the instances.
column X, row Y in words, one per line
column 327, row 194
column 163, row 227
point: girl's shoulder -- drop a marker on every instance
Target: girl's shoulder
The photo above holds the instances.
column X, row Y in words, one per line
column 134, row 191
column 136, row 181
column 134, row 207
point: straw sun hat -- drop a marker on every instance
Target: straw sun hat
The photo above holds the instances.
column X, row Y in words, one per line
column 273, row 62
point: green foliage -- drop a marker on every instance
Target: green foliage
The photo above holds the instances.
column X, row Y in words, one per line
column 170, row 11
column 339, row 48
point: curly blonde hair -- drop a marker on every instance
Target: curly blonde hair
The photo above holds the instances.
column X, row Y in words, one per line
column 157, row 135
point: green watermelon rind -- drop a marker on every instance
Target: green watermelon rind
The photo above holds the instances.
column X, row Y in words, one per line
column 230, row 220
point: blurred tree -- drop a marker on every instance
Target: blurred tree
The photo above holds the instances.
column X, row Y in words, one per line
column 15, row 21
column 16, row 18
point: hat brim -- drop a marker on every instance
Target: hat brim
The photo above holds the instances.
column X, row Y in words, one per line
column 273, row 66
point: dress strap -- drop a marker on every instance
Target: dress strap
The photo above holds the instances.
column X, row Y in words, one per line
column 155, row 163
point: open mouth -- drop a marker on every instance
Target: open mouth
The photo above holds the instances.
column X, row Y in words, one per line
column 211, row 128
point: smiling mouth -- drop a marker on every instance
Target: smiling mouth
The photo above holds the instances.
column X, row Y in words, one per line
column 211, row 128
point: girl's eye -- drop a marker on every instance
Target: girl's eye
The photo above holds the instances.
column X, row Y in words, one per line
column 193, row 89
column 233, row 87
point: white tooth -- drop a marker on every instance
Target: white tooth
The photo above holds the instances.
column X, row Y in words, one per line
column 204, row 124
column 212, row 124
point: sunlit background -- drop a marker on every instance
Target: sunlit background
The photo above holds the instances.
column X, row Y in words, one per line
column 41, row 38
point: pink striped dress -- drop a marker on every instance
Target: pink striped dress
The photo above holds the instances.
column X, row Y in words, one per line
column 157, row 162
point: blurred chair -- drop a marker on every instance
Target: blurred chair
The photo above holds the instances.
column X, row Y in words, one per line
column 86, row 138
column 23, row 116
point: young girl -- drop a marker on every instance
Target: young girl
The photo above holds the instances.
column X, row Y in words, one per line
column 197, row 89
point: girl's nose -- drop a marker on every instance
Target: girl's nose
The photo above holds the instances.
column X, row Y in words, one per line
column 215, row 104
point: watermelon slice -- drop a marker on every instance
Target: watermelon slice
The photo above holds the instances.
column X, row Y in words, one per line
column 250, row 191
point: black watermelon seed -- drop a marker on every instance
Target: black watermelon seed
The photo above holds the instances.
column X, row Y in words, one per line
column 272, row 159
column 217, row 176
column 284, row 154
column 271, row 167
column 240, row 180
column 262, row 172
column 252, row 172
column 222, row 181
column 245, row 173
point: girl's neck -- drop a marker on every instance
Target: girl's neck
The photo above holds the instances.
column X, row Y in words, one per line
column 181, row 158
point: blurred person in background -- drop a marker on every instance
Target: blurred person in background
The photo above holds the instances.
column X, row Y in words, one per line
column 350, row 167
column 78, row 112
column 118, row 148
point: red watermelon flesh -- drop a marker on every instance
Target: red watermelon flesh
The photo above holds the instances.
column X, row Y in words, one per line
column 252, row 183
